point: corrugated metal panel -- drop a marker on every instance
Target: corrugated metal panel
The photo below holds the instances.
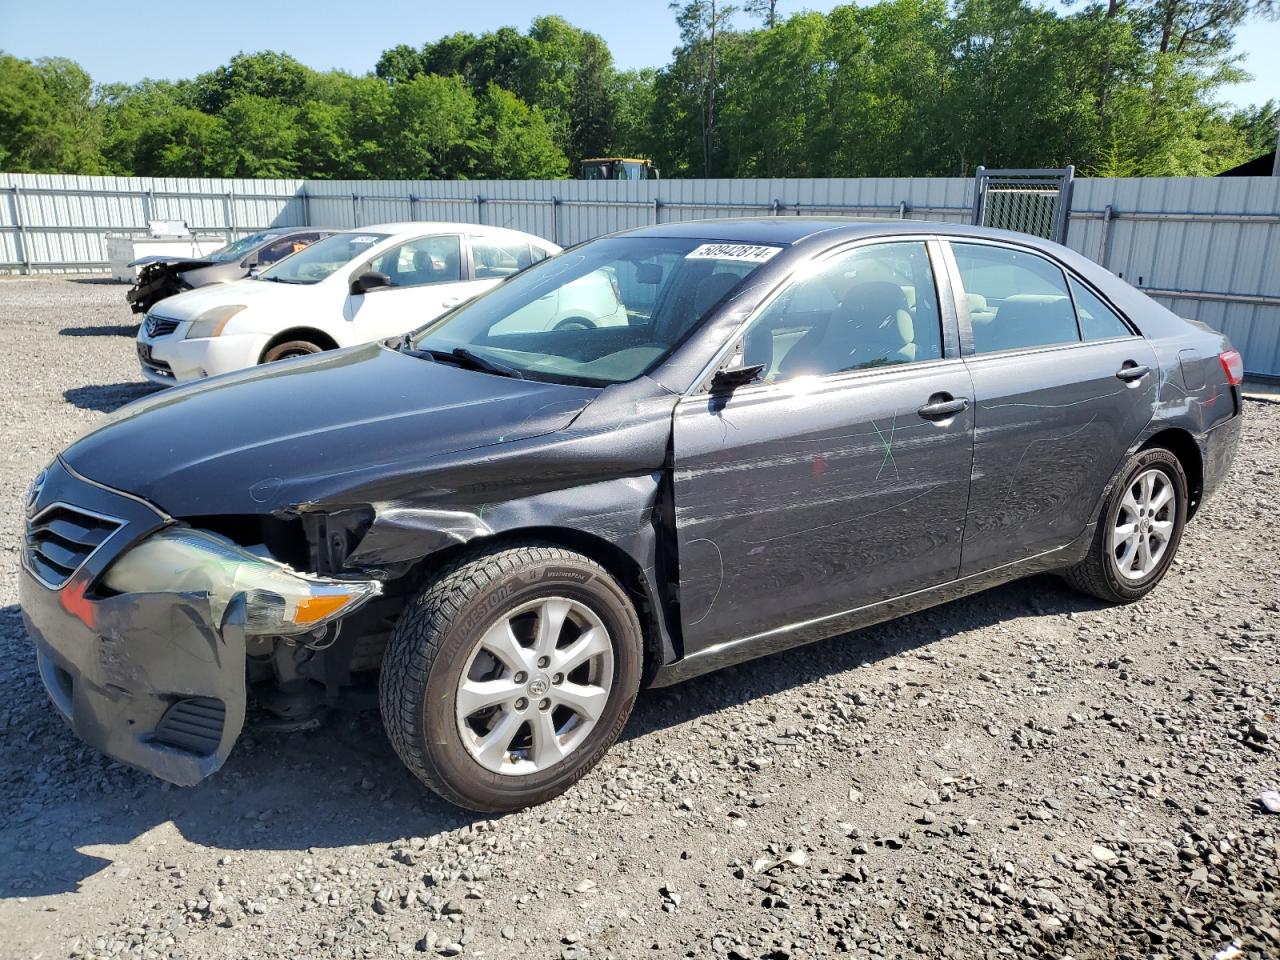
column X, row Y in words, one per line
column 1206, row 236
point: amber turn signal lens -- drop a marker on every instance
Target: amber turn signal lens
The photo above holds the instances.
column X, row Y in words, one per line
column 314, row 609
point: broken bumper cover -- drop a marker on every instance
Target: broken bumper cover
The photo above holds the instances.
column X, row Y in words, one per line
column 151, row 679
column 1218, row 447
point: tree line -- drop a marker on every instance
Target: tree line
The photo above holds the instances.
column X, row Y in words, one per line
column 894, row 88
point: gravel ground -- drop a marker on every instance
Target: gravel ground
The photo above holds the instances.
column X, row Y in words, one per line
column 1022, row 773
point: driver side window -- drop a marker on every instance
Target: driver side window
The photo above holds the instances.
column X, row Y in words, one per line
column 870, row 307
column 420, row 262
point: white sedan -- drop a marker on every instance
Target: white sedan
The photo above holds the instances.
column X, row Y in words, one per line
column 349, row 288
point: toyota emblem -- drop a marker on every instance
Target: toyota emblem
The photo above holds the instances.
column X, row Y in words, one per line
column 33, row 492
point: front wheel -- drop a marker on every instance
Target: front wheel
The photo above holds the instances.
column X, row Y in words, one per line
column 291, row 348
column 1138, row 532
column 510, row 674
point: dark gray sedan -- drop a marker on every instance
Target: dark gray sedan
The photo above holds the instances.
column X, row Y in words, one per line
column 804, row 427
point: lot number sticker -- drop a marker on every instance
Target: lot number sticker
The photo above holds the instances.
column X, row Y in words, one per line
column 750, row 252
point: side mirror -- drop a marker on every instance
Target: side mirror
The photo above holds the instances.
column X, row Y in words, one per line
column 249, row 262
column 733, row 377
column 369, row 280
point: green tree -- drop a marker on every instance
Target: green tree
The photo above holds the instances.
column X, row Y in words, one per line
column 634, row 96
column 1196, row 28
column 592, row 107
column 775, row 114
column 263, row 135
column 267, row 74
column 1258, row 127
column 515, row 142
column 702, row 23
column 432, row 130
column 49, row 117
column 182, row 142
column 25, row 106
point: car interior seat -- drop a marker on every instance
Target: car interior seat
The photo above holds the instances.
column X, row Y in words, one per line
column 871, row 326
column 452, row 266
column 424, row 270
column 979, row 310
column 1027, row 320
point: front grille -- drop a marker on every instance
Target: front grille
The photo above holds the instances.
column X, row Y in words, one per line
column 194, row 725
column 61, row 538
column 159, row 326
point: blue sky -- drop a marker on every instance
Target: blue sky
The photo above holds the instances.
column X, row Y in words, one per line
column 129, row 42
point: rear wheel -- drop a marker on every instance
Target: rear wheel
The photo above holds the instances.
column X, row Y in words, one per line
column 1138, row 532
column 291, row 348
column 510, row 674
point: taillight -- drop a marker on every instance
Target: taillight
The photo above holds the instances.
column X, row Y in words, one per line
column 1232, row 366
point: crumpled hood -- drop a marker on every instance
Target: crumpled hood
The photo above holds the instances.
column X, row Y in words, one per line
column 170, row 260
column 307, row 430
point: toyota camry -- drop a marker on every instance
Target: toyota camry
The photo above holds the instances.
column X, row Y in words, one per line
column 804, row 426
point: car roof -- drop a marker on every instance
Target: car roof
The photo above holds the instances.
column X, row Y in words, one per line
column 791, row 230
column 416, row 226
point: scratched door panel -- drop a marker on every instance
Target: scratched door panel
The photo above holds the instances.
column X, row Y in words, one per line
column 1052, row 427
column 809, row 497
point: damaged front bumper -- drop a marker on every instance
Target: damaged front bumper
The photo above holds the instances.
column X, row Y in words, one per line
column 158, row 280
column 152, row 679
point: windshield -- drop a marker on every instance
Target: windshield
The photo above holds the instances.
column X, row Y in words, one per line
column 602, row 313
column 234, row 251
column 322, row 258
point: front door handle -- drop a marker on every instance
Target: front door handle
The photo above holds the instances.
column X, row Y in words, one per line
column 1131, row 371
column 451, row 302
column 941, row 406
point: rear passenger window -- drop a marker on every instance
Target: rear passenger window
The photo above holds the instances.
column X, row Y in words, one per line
column 1016, row 299
column 498, row 258
column 1097, row 320
column 871, row 307
column 422, row 261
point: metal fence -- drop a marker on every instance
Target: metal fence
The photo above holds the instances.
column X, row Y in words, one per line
column 1208, row 248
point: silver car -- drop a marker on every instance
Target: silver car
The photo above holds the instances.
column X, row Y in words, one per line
column 163, row 276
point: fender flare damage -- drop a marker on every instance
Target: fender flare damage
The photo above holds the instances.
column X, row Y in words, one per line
column 619, row 522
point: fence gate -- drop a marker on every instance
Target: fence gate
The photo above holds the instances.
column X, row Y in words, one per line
column 1029, row 201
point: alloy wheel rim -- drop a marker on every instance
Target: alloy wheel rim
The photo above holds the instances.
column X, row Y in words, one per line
column 534, row 686
column 1143, row 527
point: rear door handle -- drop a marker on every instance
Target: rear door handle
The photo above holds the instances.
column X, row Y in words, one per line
column 1131, row 371
column 941, row 406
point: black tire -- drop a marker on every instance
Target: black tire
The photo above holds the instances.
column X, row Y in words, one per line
column 433, row 641
column 575, row 323
column 1098, row 573
column 291, row 348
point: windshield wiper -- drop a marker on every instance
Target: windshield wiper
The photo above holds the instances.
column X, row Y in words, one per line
column 459, row 356
column 478, row 362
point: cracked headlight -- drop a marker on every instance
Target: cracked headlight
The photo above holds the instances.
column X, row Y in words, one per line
column 279, row 601
column 212, row 321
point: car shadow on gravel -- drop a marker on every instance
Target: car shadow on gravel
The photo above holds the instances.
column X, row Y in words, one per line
column 1044, row 595
column 114, row 330
column 108, row 397
column 342, row 784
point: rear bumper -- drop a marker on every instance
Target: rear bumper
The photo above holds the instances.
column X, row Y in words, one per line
column 150, row 679
column 1218, row 448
